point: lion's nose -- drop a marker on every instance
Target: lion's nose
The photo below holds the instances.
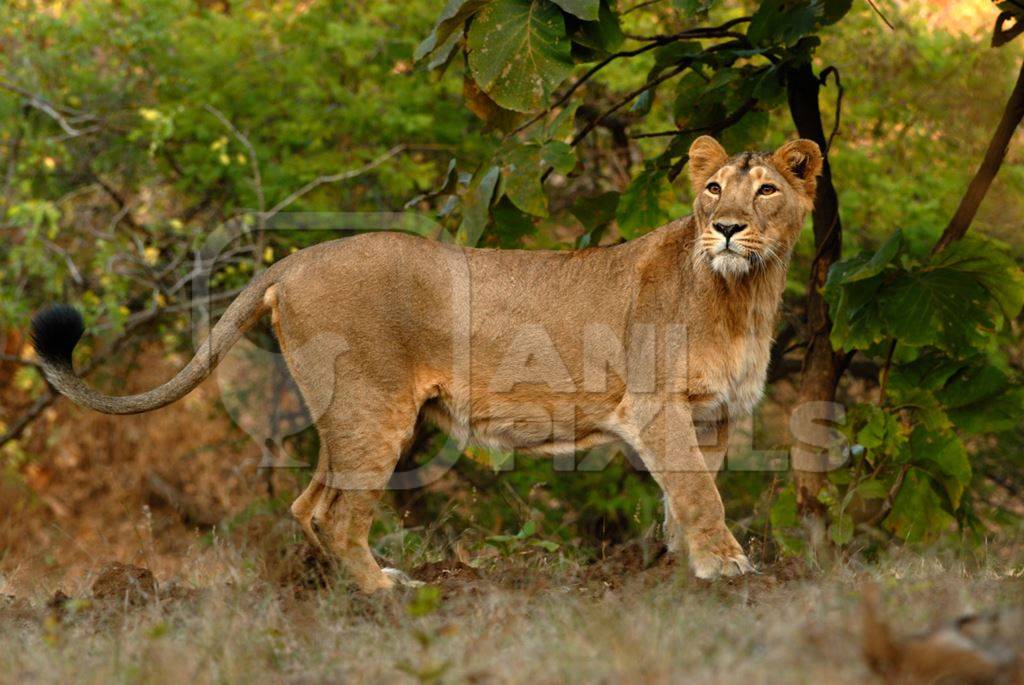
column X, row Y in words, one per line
column 729, row 230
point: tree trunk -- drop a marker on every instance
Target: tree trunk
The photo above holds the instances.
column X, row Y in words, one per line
column 822, row 365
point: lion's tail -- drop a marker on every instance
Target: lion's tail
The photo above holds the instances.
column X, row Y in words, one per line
column 57, row 329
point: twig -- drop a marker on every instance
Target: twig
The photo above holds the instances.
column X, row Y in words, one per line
column 717, row 126
column 640, row 5
column 880, row 15
column 626, row 100
column 43, row 106
column 334, row 178
column 823, row 78
column 890, row 498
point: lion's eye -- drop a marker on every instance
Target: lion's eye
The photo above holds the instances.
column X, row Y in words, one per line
column 767, row 189
column 713, row 188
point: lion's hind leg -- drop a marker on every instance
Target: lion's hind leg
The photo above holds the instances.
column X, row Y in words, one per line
column 358, row 453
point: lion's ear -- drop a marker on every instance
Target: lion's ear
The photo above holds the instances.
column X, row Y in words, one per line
column 706, row 157
column 800, row 162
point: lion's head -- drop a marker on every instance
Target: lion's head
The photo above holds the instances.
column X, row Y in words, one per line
column 749, row 208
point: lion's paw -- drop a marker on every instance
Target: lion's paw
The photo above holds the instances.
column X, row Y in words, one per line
column 400, row 578
column 713, row 555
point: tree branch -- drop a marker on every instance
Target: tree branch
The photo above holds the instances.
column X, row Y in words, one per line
column 653, row 42
column 994, row 155
column 334, row 178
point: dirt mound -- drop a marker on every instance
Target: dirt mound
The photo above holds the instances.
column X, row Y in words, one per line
column 123, row 582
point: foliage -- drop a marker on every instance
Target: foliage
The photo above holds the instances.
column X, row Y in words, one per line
column 941, row 325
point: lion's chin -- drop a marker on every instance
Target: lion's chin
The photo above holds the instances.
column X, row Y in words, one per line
column 730, row 265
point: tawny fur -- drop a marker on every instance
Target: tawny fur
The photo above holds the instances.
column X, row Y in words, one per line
column 543, row 352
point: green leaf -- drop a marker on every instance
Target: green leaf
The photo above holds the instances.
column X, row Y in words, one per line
column 924, row 408
column 597, row 211
column 992, row 265
column 586, row 10
column 972, row 383
column 781, row 22
column 510, row 224
column 945, row 451
column 878, row 261
column 784, row 518
column 834, row 10
column 453, row 16
column 746, row 133
column 673, row 53
column 856, row 322
column 640, row 208
column 993, row 414
column 519, row 53
column 872, row 489
column 476, row 204
column 695, row 106
column 604, row 35
column 559, row 156
column 841, row 530
column 936, row 306
column 917, row 512
column 522, row 173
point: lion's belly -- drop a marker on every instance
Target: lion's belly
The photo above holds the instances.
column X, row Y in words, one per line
column 539, row 428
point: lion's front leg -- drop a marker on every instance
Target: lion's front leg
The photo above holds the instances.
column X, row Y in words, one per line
column 666, row 442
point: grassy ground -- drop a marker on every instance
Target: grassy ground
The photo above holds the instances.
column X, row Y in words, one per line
column 261, row 612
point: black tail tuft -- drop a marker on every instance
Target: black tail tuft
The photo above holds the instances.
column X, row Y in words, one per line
column 55, row 332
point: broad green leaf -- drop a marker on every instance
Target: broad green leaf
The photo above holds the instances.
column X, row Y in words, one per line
column 695, row 107
column 748, row 132
column 936, row 306
column 878, row 261
column 841, row 530
column 452, row 17
column 476, row 204
column 929, row 371
column 522, row 172
column 781, row 22
column 992, row 265
column 640, row 206
column 994, row 414
column 917, row 512
column 784, row 518
column 834, row 10
column 973, row 383
column 945, row 451
column 519, row 53
column 510, row 224
column 586, row 10
column 872, row 489
column 595, row 212
column 604, row 35
column 675, row 52
column 770, row 89
column 924, row 408
column 559, row 156
column 854, row 308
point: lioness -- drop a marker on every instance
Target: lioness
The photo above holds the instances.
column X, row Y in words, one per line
column 513, row 348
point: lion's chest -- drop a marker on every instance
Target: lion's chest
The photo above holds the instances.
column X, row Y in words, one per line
column 735, row 374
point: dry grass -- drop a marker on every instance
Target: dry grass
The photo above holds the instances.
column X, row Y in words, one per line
column 247, row 612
